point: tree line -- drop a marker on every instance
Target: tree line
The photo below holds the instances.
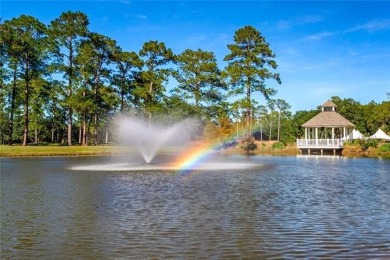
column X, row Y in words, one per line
column 62, row 83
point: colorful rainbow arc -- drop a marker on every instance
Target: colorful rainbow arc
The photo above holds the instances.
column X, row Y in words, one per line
column 190, row 157
column 197, row 153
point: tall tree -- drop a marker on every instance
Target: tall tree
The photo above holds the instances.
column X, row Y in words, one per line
column 249, row 63
column 127, row 63
column 66, row 33
column 29, row 40
column 95, row 56
column 271, row 106
column 199, row 77
column 10, row 47
column 282, row 107
column 261, row 114
column 150, row 89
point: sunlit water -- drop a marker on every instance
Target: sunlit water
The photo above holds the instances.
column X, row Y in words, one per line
column 285, row 207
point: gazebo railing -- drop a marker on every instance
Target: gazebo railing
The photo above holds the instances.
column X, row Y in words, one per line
column 319, row 143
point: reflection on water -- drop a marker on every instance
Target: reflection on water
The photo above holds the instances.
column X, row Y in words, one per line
column 288, row 207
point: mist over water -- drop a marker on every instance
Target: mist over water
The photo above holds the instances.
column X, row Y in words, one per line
column 150, row 138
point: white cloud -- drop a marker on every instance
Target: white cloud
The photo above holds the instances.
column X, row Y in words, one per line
column 302, row 20
column 141, row 16
column 309, row 19
column 326, row 90
column 126, row 2
column 318, row 36
column 283, row 24
column 373, row 25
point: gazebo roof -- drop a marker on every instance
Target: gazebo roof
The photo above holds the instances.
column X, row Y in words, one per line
column 328, row 119
column 329, row 104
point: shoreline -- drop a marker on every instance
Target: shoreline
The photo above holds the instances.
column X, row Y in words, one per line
column 117, row 150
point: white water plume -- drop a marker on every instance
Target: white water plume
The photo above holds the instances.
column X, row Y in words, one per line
column 148, row 139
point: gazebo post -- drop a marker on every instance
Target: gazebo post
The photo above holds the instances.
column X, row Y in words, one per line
column 345, row 135
column 305, row 135
column 316, row 135
column 332, row 135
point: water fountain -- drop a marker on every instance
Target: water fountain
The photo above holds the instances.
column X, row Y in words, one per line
column 158, row 138
column 148, row 139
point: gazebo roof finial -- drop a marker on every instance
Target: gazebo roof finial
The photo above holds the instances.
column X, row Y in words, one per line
column 328, row 106
column 329, row 103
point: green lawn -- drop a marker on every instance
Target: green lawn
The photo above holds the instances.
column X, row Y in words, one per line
column 53, row 150
column 59, row 150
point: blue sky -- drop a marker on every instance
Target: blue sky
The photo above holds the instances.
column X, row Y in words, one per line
column 323, row 48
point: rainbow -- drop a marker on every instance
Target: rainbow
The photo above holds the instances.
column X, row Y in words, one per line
column 197, row 153
column 192, row 156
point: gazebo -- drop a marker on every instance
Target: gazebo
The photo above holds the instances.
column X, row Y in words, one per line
column 326, row 131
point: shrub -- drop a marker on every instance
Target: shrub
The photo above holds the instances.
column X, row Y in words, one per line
column 248, row 145
column 385, row 147
column 277, row 146
column 365, row 144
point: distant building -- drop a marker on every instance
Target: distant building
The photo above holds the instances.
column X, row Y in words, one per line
column 326, row 132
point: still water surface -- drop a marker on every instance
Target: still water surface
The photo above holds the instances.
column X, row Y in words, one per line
column 288, row 207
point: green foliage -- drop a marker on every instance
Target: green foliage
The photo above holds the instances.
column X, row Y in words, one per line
column 211, row 132
column 66, row 34
column 199, row 78
column 100, row 79
column 150, row 85
column 248, row 145
column 299, row 118
column 250, row 62
column 277, row 146
column 369, row 143
column 127, row 64
column 385, row 147
column 24, row 39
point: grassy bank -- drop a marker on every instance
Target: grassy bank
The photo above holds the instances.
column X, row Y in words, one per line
column 356, row 149
column 75, row 150
column 263, row 148
column 57, row 150
column 362, row 149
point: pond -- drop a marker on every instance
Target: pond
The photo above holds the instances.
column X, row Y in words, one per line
column 287, row 207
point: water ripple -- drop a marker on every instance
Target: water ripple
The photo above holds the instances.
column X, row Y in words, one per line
column 288, row 208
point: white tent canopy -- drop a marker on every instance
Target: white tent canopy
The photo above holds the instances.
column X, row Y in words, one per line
column 380, row 135
column 354, row 135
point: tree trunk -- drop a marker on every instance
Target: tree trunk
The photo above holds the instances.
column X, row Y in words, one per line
column 80, row 133
column 26, row 107
column 279, row 127
column 270, row 127
column 70, row 94
column 69, row 126
column 84, row 141
column 2, row 134
column 95, row 117
column 35, row 135
column 11, row 118
column 249, row 109
column 122, row 95
column 95, row 124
